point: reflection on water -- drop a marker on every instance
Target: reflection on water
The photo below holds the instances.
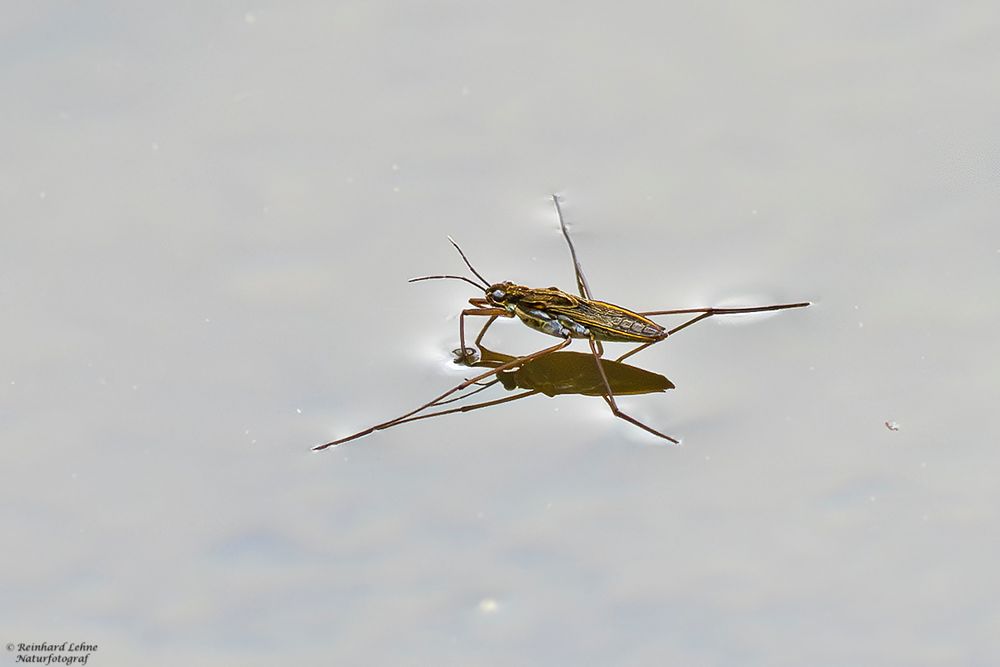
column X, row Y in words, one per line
column 551, row 374
column 566, row 373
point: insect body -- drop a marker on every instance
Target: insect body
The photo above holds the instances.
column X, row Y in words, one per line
column 565, row 316
column 557, row 313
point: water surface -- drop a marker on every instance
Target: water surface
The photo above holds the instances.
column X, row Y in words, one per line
column 209, row 215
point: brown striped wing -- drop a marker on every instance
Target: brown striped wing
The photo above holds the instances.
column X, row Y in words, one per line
column 610, row 322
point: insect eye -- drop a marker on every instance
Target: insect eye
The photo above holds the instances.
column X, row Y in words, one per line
column 498, row 295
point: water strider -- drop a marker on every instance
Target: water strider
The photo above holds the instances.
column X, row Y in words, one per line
column 562, row 315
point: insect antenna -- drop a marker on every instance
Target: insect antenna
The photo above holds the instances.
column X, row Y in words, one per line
column 474, row 284
column 486, row 283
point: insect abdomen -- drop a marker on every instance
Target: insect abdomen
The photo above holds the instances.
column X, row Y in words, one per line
column 556, row 325
column 616, row 324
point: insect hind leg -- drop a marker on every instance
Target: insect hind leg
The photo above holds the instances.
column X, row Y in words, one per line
column 609, row 398
column 616, row 411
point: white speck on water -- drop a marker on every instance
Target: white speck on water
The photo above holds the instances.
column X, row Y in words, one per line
column 350, row 179
column 871, row 498
column 298, row 410
column 249, row 18
column 73, row 475
column 135, row 387
column 395, row 189
column 155, row 146
column 42, row 194
column 753, row 212
column 466, row 92
column 861, row 325
column 548, row 506
column 488, row 605
column 855, row 306
column 923, row 464
column 207, row 320
column 395, row 167
column 708, row 458
column 479, row 515
column 812, row 368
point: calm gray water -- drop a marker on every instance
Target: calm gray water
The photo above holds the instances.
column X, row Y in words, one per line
column 209, row 212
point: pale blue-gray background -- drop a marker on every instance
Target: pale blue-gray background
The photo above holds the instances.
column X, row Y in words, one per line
column 208, row 212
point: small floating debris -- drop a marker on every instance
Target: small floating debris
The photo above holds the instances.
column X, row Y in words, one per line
column 488, row 606
column 892, row 426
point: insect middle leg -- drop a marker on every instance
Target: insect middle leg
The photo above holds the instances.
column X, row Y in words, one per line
column 609, row 398
column 466, row 408
column 581, row 279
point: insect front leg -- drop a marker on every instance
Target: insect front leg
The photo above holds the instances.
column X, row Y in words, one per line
column 480, row 310
column 469, row 356
column 482, row 332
